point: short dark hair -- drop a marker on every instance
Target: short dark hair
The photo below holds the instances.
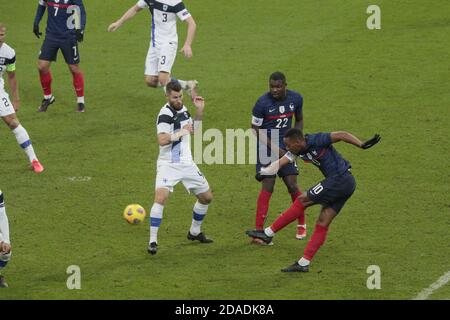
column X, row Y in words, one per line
column 173, row 85
column 276, row 76
column 294, row 133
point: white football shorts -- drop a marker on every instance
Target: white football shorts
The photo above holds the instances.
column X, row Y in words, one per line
column 169, row 174
column 160, row 58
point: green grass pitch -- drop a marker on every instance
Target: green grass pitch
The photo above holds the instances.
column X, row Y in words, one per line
column 393, row 81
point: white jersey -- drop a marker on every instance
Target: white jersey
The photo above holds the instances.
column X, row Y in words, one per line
column 164, row 19
column 170, row 121
column 7, row 62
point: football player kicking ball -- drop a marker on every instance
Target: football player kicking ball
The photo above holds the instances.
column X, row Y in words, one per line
column 5, row 245
column 175, row 163
column 8, row 109
column 332, row 192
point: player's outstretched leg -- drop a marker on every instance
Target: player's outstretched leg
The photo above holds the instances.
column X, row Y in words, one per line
column 283, row 220
column 24, row 141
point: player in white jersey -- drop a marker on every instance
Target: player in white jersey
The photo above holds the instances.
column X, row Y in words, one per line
column 164, row 40
column 175, row 163
column 8, row 109
column 5, row 243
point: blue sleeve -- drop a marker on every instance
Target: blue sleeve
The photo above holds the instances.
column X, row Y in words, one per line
column 258, row 110
column 79, row 3
column 299, row 109
column 322, row 139
column 39, row 14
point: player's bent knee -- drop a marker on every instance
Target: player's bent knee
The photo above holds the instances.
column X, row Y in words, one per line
column 205, row 198
column 43, row 67
column 11, row 121
column 74, row 68
column 161, row 196
column 151, row 81
column 292, row 189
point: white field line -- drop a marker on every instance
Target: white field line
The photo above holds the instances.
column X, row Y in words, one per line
column 425, row 293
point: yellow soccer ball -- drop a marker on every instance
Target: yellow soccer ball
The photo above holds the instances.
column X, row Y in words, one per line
column 134, row 214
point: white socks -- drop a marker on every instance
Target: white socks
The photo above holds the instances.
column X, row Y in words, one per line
column 269, row 232
column 156, row 214
column 24, row 141
column 303, row 262
column 198, row 215
column 80, row 99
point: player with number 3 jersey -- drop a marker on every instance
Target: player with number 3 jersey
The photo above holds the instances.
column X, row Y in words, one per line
column 164, row 40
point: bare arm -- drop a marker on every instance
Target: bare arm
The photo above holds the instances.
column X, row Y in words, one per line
column 199, row 103
column 346, row 137
column 274, row 166
column 299, row 121
column 127, row 16
column 14, row 89
column 167, row 138
column 192, row 26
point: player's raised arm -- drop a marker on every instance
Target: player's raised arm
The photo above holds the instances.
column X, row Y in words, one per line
column 199, row 104
column 127, row 16
column 191, row 28
column 351, row 139
column 38, row 17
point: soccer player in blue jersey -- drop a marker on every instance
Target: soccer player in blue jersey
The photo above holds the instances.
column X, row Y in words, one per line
column 332, row 192
column 65, row 28
column 5, row 243
column 272, row 116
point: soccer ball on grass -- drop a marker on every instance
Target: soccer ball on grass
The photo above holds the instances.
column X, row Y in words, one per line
column 134, row 214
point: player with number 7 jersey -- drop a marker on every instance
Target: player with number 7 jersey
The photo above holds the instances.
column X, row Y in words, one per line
column 65, row 28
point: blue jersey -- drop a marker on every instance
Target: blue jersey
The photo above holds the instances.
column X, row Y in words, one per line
column 322, row 154
column 61, row 18
column 272, row 114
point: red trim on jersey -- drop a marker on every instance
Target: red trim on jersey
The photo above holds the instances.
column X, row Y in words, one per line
column 280, row 116
column 324, row 150
column 59, row 5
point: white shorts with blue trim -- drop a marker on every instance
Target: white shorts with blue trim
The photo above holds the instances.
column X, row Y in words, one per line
column 160, row 58
column 6, row 107
column 169, row 174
